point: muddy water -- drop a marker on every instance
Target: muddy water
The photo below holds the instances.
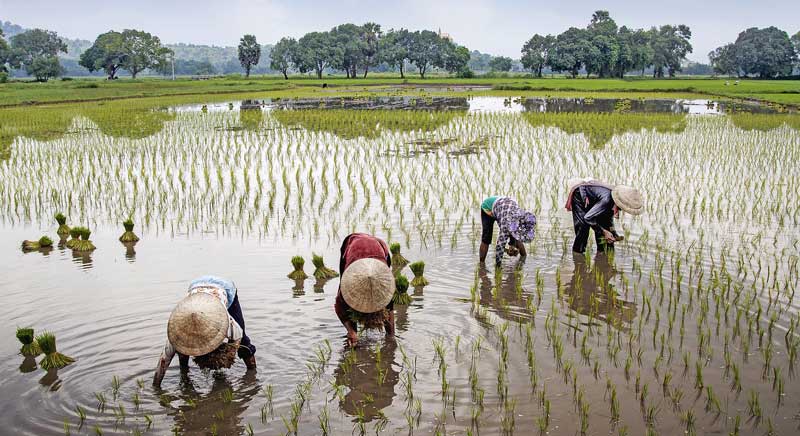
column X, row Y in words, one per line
column 109, row 309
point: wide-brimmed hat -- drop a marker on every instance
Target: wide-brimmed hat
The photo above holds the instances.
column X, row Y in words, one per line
column 367, row 285
column 628, row 199
column 198, row 325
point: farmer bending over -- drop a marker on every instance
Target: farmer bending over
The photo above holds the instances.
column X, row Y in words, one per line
column 367, row 286
column 517, row 226
column 207, row 325
column 594, row 205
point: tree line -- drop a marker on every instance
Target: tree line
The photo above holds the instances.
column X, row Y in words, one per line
column 766, row 53
column 354, row 49
column 607, row 50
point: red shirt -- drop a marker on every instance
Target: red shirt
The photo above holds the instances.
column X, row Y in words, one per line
column 355, row 247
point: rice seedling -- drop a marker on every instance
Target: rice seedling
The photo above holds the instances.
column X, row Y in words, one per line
column 320, row 270
column 128, row 235
column 298, row 273
column 401, row 296
column 30, row 347
column 84, row 244
column 418, row 268
column 43, row 242
column 52, row 358
column 101, row 401
column 398, row 261
column 63, row 228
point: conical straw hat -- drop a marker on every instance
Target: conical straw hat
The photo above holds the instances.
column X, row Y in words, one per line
column 367, row 285
column 198, row 325
column 628, row 199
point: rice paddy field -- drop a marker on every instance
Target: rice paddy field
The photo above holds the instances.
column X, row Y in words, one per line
column 690, row 327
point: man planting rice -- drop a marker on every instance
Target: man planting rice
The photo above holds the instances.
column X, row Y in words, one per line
column 367, row 286
column 517, row 227
column 594, row 205
column 207, row 325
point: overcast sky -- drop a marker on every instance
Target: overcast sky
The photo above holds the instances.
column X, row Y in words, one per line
column 496, row 27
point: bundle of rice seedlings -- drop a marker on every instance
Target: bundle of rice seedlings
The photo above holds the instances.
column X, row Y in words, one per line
column 298, row 273
column 52, row 358
column 369, row 321
column 322, row 271
column 63, row 228
column 75, row 234
column 398, row 261
column 128, row 236
column 222, row 357
column 84, row 244
column 29, row 345
column 401, row 296
column 418, row 268
column 43, row 242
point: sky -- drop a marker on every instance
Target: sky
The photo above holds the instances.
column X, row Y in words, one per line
column 495, row 27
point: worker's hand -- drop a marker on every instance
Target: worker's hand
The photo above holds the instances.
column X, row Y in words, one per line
column 352, row 338
column 512, row 251
column 609, row 236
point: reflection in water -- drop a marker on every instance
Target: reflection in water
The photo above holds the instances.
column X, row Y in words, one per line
column 51, row 380
column 130, row 251
column 82, row 258
column 319, row 285
column 299, row 288
column 590, row 292
column 28, row 365
column 507, row 297
column 350, row 123
column 599, row 128
column 369, row 374
column 221, row 408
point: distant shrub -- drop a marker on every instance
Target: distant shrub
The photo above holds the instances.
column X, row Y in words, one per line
column 3, row 77
column 66, row 79
column 465, row 73
column 88, row 85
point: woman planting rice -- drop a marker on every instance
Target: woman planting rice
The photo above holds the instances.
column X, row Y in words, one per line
column 594, row 205
column 517, row 226
column 367, row 286
column 207, row 325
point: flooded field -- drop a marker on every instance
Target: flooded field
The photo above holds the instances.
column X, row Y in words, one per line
column 691, row 326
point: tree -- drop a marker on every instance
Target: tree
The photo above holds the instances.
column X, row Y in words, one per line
column 107, row 54
column 455, row 58
column 316, row 51
column 723, row 60
column 142, row 51
column 37, row 51
column 249, row 53
column 764, row 52
column 570, row 51
column 394, row 49
column 536, row 53
column 796, row 43
column 4, row 53
column 347, row 48
column 283, row 56
column 370, row 44
column 425, row 50
column 500, row 63
column 670, row 46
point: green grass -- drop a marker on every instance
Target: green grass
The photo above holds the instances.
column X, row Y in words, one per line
column 20, row 93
